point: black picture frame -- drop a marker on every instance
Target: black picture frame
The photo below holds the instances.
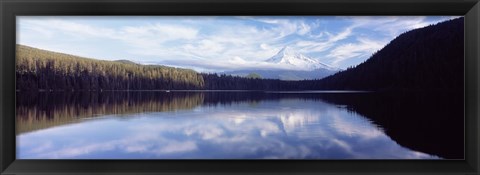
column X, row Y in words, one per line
column 11, row 8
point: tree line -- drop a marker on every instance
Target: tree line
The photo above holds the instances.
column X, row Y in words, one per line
column 44, row 70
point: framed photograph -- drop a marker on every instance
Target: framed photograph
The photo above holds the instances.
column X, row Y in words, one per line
column 155, row 87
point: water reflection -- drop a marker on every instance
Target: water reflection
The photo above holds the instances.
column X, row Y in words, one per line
column 231, row 125
column 43, row 110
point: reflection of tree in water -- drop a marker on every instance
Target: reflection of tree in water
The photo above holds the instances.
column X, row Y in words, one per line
column 47, row 109
column 43, row 110
column 428, row 122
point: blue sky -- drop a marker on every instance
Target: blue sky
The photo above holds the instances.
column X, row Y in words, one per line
column 210, row 43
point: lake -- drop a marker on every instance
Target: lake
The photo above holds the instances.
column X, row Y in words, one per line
column 239, row 125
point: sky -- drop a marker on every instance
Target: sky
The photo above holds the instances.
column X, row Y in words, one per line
column 216, row 43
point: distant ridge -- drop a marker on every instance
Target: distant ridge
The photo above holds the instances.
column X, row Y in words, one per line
column 125, row 61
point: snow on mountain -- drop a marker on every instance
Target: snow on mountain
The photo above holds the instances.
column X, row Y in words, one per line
column 288, row 64
column 289, row 58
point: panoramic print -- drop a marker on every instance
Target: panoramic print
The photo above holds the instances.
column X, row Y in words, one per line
column 240, row 87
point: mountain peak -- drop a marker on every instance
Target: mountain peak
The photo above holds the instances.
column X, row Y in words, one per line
column 285, row 55
column 286, row 50
column 289, row 57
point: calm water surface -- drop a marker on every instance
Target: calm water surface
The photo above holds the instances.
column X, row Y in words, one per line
column 213, row 125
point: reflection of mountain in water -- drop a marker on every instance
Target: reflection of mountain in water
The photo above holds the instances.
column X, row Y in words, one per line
column 423, row 122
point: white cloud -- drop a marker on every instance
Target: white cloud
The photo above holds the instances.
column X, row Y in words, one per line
column 153, row 36
column 364, row 47
column 163, row 32
column 340, row 36
column 175, row 147
column 237, row 60
column 71, row 28
column 234, row 63
column 321, row 46
column 265, row 46
column 393, row 25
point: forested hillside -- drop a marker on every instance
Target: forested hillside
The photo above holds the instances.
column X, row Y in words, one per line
column 422, row 59
column 44, row 70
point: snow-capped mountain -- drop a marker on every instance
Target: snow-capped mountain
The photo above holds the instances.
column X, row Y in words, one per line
column 292, row 59
column 288, row 64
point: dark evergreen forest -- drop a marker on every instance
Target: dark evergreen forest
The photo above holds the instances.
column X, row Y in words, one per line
column 44, row 70
column 429, row 58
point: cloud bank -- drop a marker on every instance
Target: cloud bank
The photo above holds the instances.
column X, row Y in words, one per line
column 217, row 43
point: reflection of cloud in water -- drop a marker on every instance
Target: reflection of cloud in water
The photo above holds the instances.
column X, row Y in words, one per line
column 355, row 126
column 175, row 147
column 270, row 129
